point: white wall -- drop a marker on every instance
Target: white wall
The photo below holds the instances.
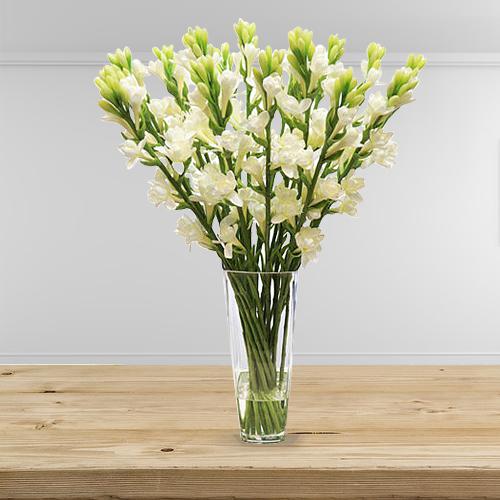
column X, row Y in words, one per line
column 90, row 268
column 90, row 271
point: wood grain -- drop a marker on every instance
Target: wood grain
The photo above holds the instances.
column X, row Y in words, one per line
column 137, row 432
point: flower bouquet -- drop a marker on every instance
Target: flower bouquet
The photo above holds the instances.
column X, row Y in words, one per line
column 259, row 145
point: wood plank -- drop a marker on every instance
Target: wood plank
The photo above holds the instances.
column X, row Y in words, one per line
column 171, row 432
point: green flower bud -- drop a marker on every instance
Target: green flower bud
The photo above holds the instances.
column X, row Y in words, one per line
column 198, row 71
column 204, row 90
column 301, row 43
column 121, row 58
column 165, row 53
column 404, row 80
column 259, row 78
column 104, row 89
column 335, row 48
column 375, row 52
column 355, row 99
column 128, row 56
column 226, row 59
column 245, row 32
column 197, row 40
column 416, row 61
column 108, row 107
column 346, row 81
column 270, row 61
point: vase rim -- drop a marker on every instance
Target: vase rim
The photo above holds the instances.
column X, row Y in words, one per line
column 277, row 273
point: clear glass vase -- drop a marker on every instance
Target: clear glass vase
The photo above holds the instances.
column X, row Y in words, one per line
column 261, row 312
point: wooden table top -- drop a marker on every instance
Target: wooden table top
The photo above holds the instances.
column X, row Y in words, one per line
column 136, row 432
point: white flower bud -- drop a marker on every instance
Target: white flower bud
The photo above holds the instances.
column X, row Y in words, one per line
column 319, row 66
column 229, row 81
column 273, row 86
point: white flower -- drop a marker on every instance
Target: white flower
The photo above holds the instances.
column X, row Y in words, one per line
column 139, row 70
column 255, row 167
column 237, row 119
column 335, row 70
column 290, row 69
column 289, row 152
column 382, row 148
column 385, row 156
column 238, row 143
column 398, row 101
column 134, row 152
column 228, row 81
column 197, row 122
column 308, row 240
column 234, row 141
column 111, row 117
column 156, row 68
column 351, row 186
column 285, row 205
column 193, row 232
column 255, row 203
column 211, row 186
column 347, row 206
column 178, row 144
column 150, row 139
column 314, row 213
column 327, row 189
column 317, row 128
column 351, row 139
column 292, row 106
column 273, row 86
column 237, row 57
column 161, row 108
column 345, row 117
column 196, row 98
column 319, row 66
column 227, row 233
column 373, row 75
column 175, row 120
column 257, row 124
column 328, row 84
column 250, row 51
column 181, row 76
column 161, row 192
column 377, row 106
column 135, row 93
column 183, row 58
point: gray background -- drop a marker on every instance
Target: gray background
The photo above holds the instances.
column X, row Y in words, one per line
column 91, row 272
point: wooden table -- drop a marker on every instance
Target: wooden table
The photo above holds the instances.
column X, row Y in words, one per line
column 139, row 432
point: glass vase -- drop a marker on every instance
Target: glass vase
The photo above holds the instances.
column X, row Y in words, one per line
column 261, row 312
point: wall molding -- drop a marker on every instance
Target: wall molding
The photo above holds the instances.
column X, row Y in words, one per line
column 439, row 59
column 310, row 358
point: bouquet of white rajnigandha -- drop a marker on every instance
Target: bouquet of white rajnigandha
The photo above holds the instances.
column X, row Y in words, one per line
column 260, row 146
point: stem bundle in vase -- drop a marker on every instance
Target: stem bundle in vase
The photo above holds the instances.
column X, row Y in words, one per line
column 259, row 145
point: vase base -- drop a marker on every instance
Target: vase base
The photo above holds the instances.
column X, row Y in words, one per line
column 266, row 439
